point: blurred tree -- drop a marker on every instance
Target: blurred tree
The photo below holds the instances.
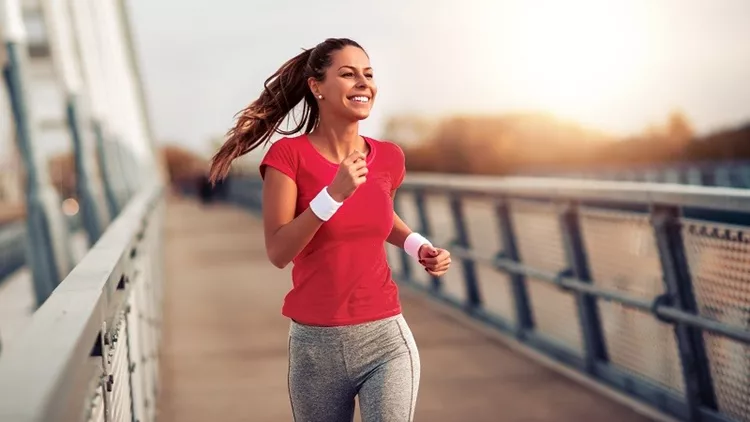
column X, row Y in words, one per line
column 679, row 130
column 490, row 144
column 408, row 129
column 183, row 165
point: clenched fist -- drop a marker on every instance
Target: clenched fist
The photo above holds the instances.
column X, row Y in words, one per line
column 352, row 173
column 436, row 261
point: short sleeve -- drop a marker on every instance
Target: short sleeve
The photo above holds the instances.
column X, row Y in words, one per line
column 282, row 157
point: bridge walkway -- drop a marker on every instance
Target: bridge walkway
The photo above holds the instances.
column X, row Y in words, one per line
column 225, row 341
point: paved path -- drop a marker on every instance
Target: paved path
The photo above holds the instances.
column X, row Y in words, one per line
column 225, row 342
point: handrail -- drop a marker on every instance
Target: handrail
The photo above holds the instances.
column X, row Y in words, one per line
column 52, row 370
column 717, row 198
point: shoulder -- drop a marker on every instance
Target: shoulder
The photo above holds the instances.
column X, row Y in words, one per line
column 283, row 154
column 286, row 143
column 391, row 149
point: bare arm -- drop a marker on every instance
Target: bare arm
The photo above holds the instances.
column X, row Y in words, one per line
column 285, row 235
column 400, row 230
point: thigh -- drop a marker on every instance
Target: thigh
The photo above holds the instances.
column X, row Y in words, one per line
column 389, row 394
column 319, row 389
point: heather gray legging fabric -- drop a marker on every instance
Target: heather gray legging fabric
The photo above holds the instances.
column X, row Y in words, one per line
column 329, row 366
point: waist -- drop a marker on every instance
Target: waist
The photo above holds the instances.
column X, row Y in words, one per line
column 343, row 288
column 336, row 333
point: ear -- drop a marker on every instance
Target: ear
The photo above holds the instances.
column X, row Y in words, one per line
column 313, row 84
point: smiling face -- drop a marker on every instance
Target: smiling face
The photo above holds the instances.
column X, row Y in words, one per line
column 348, row 87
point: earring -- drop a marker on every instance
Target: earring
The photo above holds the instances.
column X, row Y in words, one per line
column 320, row 97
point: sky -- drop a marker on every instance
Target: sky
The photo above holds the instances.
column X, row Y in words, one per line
column 615, row 65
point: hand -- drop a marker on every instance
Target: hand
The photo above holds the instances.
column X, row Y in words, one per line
column 351, row 174
column 436, row 261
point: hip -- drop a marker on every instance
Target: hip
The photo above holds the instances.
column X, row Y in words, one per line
column 368, row 342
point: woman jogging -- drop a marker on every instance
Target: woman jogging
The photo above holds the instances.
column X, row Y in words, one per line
column 328, row 208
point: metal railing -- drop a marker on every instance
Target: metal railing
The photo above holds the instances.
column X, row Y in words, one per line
column 90, row 352
column 642, row 287
column 735, row 174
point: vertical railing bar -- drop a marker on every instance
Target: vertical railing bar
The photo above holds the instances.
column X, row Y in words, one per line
column 131, row 363
column 406, row 269
column 424, row 228
column 474, row 300
column 575, row 253
column 678, row 282
column 524, row 317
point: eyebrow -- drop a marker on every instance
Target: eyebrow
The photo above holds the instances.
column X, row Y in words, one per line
column 353, row 68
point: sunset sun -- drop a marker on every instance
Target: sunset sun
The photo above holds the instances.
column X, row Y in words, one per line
column 575, row 57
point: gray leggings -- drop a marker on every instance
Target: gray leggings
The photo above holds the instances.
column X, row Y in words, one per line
column 376, row 361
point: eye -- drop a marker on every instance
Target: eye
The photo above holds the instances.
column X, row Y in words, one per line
column 368, row 75
column 348, row 74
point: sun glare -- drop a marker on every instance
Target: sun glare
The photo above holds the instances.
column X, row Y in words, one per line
column 574, row 57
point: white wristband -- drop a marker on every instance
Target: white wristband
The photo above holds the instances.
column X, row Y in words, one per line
column 413, row 242
column 323, row 205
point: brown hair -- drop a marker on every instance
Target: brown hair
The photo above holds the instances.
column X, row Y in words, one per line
column 286, row 88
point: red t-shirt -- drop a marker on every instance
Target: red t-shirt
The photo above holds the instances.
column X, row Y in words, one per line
column 342, row 275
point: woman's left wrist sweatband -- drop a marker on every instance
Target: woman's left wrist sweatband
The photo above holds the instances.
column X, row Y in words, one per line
column 413, row 242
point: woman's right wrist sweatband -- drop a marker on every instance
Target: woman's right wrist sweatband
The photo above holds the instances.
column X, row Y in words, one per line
column 413, row 242
column 323, row 205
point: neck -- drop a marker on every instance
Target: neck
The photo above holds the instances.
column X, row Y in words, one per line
column 340, row 139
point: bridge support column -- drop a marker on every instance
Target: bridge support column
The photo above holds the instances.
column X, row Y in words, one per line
column 114, row 187
column 62, row 42
column 697, row 375
column 49, row 245
column 95, row 215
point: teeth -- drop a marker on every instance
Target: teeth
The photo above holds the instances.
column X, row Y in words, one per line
column 361, row 99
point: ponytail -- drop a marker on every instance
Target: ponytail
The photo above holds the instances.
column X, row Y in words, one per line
column 256, row 123
column 282, row 91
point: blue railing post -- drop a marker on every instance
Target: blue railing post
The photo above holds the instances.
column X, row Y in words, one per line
column 697, row 376
column 406, row 270
column 110, row 185
column 424, row 228
column 49, row 251
column 575, row 253
column 524, row 318
column 95, row 218
column 462, row 239
column 125, row 169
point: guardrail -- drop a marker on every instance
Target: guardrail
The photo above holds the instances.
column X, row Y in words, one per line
column 642, row 287
column 735, row 174
column 90, row 352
